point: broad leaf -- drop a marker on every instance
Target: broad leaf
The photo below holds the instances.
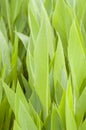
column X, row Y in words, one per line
column 10, row 95
column 24, row 39
column 60, row 73
column 4, row 51
column 41, row 67
column 26, row 122
column 16, row 126
column 62, row 20
column 56, row 121
column 80, row 9
column 70, row 120
column 77, row 60
column 83, row 126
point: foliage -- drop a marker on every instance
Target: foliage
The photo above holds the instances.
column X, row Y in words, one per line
column 42, row 65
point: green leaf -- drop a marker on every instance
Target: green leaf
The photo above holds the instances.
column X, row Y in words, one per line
column 49, row 6
column 34, row 26
column 10, row 95
column 37, row 9
column 26, row 122
column 83, row 126
column 27, row 87
column 36, row 102
column 72, row 3
column 70, row 120
column 49, row 34
column 77, row 60
column 58, row 93
column 3, row 107
column 16, row 126
column 47, row 123
column 28, row 106
column 60, row 73
column 80, row 104
column 15, row 59
column 19, row 97
column 80, row 9
column 62, row 20
column 15, row 7
column 30, row 66
column 7, row 5
column 5, row 53
column 62, row 108
column 3, row 28
column 56, row 121
column 23, row 38
column 41, row 68
column 8, row 118
column 1, row 90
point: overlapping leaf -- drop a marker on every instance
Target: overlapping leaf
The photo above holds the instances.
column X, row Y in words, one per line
column 62, row 20
column 42, row 67
column 76, row 55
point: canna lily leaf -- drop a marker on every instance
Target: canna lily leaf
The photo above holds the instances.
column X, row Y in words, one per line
column 0, row 93
column 10, row 95
column 49, row 6
column 3, row 106
column 72, row 3
column 70, row 120
column 47, row 123
column 60, row 73
column 34, row 26
column 30, row 66
column 26, row 122
column 41, row 68
column 24, row 39
column 34, row 16
column 36, row 102
column 15, row 58
column 3, row 28
column 62, row 20
column 76, row 60
column 16, row 126
column 80, row 10
column 56, row 122
column 4, row 50
column 27, row 87
column 15, row 9
column 80, row 105
column 28, row 106
column 83, row 126
column 44, row 79
column 62, row 108
column 58, row 93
